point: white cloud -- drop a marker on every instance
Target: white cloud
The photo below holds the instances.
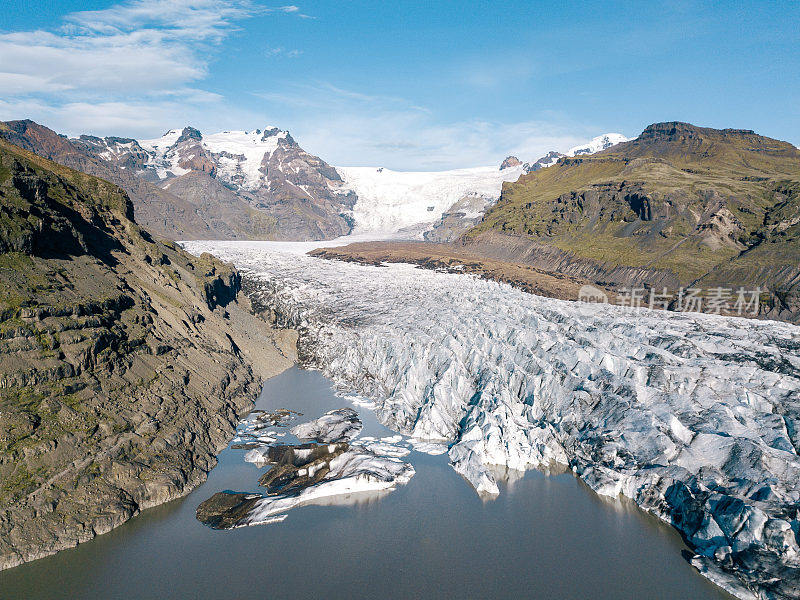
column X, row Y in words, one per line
column 141, row 46
column 282, row 52
column 137, row 69
column 351, row 128
column 139, row 118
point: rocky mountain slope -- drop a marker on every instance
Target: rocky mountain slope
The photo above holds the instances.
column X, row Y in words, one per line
column 597, row 144
column 124, row 363
column 678, row 206
column 265, row 168
column 261, row 184
column 232, row 185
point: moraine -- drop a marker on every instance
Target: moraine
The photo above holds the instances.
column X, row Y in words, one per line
column 696, row 418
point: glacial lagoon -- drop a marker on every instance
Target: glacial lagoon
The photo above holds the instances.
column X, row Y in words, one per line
column 544, row 536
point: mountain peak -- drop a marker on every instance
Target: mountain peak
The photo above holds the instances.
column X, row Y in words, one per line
column 189, row 133
column 684, row 143
column 601, row 142
column 269, row 132
column 676, row 130
column 510, row 161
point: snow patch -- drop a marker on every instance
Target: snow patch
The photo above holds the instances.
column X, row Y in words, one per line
column 597, row 144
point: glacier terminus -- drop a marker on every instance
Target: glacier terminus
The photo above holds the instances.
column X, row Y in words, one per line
column 694, row 417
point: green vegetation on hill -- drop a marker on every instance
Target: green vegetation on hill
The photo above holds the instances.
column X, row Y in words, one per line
column 679, row 201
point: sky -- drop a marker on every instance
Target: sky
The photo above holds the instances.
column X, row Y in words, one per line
column 407, row 85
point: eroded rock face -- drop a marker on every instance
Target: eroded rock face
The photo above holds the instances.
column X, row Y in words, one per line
column 124, row 362
column 694, row 417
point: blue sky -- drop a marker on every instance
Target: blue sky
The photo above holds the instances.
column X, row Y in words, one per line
column 409, row 85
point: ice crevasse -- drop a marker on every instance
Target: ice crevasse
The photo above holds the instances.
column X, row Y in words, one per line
column 694, row 417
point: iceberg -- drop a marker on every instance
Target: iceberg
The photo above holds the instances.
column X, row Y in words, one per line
column 694, row 417
column 328, row 470
column 340, row 425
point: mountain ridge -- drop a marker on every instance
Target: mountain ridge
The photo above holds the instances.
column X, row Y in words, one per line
column 297, row 206
column 675, row 206
column 260, row 184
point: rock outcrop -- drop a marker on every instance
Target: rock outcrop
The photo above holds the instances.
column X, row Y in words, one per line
column 510, row 161
column 125, row 363
column 457, row 219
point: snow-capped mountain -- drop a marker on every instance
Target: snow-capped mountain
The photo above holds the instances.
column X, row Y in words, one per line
column 264, row 178
column 601, row 142
column 237, row 157
column 297, row 195
column 440, row 205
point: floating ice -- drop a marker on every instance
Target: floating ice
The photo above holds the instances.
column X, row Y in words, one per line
column 339, row 425
column 384, row 448
column 356, row 470
column 331, row 470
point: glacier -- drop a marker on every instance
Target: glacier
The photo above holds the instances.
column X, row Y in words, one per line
column 694, row 417
column 409, row 201
column 390, row 201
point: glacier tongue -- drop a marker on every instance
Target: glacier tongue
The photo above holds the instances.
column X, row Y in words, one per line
column 695, row 417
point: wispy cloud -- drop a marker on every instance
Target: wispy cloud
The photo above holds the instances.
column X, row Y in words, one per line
column 141, row 56
column 139, row 67
column 140, row 46
column 281, row 52
column 492, row 74
column 351, row 127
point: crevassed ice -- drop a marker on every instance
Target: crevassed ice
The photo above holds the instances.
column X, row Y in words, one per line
column 392, row 200
column 695, row 417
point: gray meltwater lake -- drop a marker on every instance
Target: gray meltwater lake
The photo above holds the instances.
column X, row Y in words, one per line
column 545, row 536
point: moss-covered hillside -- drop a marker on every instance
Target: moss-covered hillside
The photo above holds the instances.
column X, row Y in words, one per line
column 676, row 205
